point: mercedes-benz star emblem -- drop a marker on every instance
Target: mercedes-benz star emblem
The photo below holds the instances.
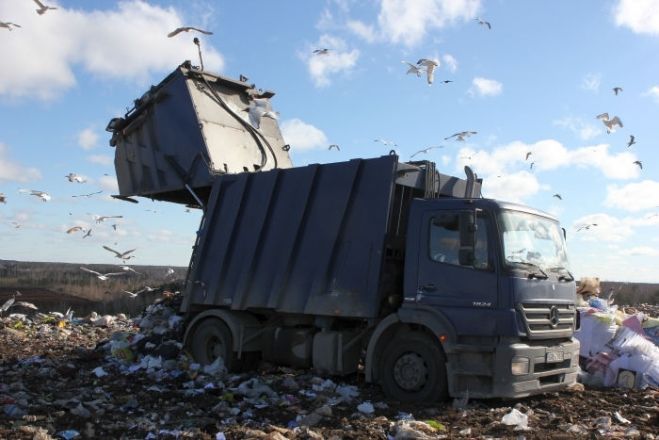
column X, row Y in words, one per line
column 554, row 317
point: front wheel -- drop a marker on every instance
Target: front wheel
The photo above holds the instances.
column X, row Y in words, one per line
column 413, row 369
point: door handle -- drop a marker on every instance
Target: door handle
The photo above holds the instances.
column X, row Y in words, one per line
column 430, row 287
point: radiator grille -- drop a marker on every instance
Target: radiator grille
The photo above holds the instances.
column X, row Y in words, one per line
column 548, row 320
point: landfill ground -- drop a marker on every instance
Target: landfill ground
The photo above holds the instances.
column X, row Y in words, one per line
column 62, row 378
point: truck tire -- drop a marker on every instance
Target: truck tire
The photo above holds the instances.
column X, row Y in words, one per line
column 413, row 369
column 212, row 339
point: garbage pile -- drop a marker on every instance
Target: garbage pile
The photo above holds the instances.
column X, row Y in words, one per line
column 619, row 346
column 111, row 376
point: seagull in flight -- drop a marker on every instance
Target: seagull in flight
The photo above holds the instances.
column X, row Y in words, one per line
column 334, row 146
column 323, row 51
column 88, row 233
column 101, row 276
column 413, row 68
column 42, row 8
column 586, row 227
column 44, row 196
column 632, row 140
column 483, row 22
column 639, row 163
column 8, row 25
column 461, row 136
column 121, row 255
column 531, row 166
column 260, row 108
column 609, row 123
column 528, row 154
column 558, row 196
column 88, row 195
column 617, row 90
column 386, row 143
column 73, row 177
column 425, row 150
column 102, row 218
column 74, row 229
column 3, row 198
column 186, row 29
column 430, row 68
column 129, row 269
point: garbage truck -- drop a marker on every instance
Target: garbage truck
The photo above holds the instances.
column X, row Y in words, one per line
column 375, row 266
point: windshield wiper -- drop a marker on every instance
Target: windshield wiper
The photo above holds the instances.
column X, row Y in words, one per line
column 567, row 276
column 541, row 275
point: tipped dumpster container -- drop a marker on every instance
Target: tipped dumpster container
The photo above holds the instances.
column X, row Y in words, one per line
column 189, row 129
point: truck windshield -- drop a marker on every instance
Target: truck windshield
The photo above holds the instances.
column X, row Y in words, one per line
column 533, row 243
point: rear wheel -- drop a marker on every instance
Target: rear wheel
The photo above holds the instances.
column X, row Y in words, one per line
column 413, row 369
column 212, row 339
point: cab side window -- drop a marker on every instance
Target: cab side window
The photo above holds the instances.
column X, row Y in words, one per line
column 444, row 245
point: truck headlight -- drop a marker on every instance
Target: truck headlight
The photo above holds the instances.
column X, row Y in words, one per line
column 519, row 366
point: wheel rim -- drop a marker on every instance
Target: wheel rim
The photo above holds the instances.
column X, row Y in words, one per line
column 214, row 348
column 410, row 372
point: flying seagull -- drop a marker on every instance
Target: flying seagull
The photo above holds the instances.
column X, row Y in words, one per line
column 102, row 218
column 88, row 233
column 460, row 136
column 531, row 166
column 44, row 196
column 558, row 196
column 609, row 123
column 73, row 177
column 260, row 108
column 187, row 29
column 639, row 163
column 528, row 154
column 131, row 294
column 386, row 143
column 42, row 8
column 74, row 229
column 334, row 146
column 3, row 198
column 425, row 150
column 88, row 195
column 586, row 227
column 617, row 90
column 129, row 269
column 632, row 140
column 430, row 68
column 412, row 68
column 483, row 23
column 8, row 25
column 121, row 255
column 102, row 276
column 323, row 51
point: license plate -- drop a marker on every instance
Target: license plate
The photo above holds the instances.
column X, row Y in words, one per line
column 554, row 356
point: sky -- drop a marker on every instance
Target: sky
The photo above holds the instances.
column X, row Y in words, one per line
column 532, row 82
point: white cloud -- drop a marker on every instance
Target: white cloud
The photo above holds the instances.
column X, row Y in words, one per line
column 338, row 59
column 128, row 42
column 644, row 251
column 614, row 166
column 584, row 130
column 12, row 171
column 87, row 139
column 653, row 92
column 511, row 187
column 302, row 136
column 408, row 21
column 591, row 82
column 633, row 197
column 101, row 159
column 608, row 229
column 450, row 62
column 641, row 16
column 109, row 183
column 485, row 87
column 362, row 30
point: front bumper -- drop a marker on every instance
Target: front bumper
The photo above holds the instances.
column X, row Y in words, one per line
column 551, row 367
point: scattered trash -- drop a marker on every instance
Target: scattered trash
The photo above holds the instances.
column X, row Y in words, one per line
column 366, row 408
column 516, row 418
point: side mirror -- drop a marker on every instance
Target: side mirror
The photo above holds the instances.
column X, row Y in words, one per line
column 467, row 238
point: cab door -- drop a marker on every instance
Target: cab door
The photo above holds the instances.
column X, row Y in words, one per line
column 464, row 288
